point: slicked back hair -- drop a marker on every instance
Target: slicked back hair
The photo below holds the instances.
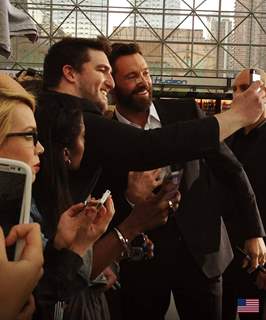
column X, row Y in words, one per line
column 69, row 51
column 120, row 49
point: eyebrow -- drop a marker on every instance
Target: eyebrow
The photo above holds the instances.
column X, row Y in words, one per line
column 142, row 70
column 30, row 128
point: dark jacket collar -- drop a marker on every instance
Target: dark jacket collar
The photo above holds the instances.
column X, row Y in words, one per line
column 52, row 96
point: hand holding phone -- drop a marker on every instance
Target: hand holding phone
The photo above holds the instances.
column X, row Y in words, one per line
column 175, row 177
column 253, row 273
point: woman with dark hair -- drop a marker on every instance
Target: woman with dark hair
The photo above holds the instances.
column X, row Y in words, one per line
column 80, row 289
column 62, row 131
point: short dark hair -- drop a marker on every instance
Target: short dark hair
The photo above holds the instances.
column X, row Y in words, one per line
column 122, row 49
column 69, row 51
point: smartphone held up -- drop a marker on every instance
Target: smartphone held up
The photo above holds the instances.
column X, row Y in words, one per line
column 15, row 198
column 103, row 199
column 254, row 76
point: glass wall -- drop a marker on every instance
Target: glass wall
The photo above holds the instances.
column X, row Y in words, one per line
column 210, row 38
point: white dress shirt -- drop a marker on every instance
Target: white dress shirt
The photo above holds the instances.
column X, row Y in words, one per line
column 153, row 120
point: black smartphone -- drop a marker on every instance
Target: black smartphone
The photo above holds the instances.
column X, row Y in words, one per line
column 15, row 199
column 253, row 273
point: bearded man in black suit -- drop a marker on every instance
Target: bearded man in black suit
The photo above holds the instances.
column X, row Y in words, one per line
column 193, row 249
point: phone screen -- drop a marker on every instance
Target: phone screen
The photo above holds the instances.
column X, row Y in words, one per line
column 11, row 197
column 254, row 76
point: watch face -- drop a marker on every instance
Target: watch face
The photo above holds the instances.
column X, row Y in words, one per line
column 141, row 248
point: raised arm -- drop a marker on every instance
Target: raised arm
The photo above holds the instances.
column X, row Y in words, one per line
column 121, row 147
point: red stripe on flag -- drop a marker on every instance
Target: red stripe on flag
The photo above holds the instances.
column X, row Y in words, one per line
column 248, row 305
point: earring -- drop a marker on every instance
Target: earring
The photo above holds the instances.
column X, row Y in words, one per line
column 68, row 162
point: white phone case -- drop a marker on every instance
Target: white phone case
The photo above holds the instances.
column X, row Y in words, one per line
column 18, row 167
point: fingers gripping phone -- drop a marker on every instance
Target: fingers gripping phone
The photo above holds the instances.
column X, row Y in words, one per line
column 175, row 177
column 254, row 76
column 15, row 199
column 253, row 273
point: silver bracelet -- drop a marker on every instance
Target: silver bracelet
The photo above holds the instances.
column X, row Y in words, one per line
column 124, row 241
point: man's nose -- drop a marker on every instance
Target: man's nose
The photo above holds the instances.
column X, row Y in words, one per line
column 110, row 81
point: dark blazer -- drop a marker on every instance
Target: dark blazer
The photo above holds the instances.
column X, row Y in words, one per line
column 206, row 190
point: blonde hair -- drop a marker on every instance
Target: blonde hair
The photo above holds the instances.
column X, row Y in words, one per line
column 11, row 93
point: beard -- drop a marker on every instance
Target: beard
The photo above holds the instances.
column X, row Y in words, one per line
column 132, row 101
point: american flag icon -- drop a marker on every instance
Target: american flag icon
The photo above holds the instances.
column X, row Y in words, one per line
column 247, row 305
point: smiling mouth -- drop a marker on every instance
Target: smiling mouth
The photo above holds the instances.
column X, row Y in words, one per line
column 141, row 91
column 104, row 93
column 145, row 92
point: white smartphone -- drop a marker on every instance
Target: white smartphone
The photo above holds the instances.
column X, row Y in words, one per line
column 103, row 199
column 254, row 76
column 15, row 199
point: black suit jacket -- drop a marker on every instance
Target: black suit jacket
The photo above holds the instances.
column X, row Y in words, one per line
column 206, row 189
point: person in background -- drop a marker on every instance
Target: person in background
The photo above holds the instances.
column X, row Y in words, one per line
column 191, row 233
column 248, row 145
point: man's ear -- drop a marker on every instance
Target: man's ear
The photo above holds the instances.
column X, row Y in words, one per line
column 69, row 73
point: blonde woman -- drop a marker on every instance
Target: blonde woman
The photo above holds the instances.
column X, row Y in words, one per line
column 18, row 279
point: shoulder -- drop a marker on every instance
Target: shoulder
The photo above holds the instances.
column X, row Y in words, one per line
column 52, row 98
column 177, row 109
